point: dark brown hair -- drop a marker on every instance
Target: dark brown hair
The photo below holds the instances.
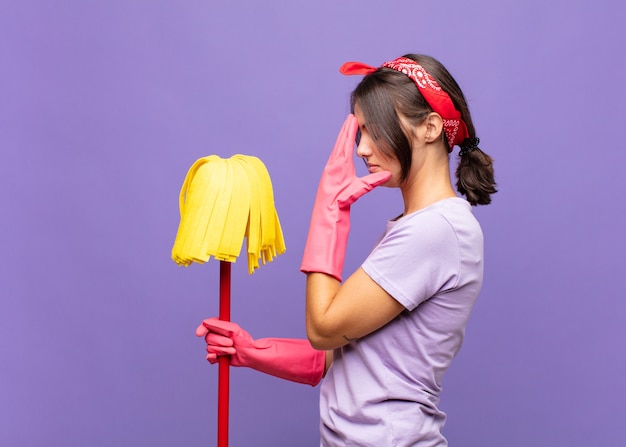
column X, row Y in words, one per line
column 385, row 94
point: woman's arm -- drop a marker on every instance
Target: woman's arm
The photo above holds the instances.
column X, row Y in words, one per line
column 337, row 314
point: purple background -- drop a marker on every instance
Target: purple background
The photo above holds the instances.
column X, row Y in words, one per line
column 105, row 105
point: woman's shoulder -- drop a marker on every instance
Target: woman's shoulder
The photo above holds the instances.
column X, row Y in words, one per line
column 439, row 220
column 453, row 209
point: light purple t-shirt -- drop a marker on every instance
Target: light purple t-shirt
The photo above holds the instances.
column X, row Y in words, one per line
column 383, row 389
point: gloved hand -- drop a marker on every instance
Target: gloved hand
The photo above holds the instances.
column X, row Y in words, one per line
column 338, row 189
column 290, row 359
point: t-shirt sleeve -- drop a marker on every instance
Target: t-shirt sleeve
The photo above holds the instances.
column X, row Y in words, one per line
column 416, row 259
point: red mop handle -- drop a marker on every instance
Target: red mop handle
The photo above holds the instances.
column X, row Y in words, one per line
column 223, row 379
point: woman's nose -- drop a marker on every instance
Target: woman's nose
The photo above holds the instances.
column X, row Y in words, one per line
column 362, row 150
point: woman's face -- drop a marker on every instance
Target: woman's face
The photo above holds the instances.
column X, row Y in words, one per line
column 374, row 158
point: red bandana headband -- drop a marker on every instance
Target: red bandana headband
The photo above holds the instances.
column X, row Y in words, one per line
column 437, row 99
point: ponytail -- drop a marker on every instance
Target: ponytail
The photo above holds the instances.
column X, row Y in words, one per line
column 475, row 178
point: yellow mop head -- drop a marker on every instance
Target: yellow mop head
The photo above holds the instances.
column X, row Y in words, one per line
column 221, row 202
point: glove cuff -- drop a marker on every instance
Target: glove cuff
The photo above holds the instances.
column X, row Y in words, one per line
column 326, row 244
column 290, row 359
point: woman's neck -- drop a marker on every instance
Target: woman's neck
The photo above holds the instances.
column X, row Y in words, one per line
column 428, row 182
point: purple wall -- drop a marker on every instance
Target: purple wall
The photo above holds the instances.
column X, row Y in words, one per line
column 105, row 105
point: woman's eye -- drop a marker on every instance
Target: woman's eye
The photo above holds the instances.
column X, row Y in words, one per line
column 357, row 140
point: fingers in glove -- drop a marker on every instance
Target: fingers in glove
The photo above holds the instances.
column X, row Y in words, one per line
column 344, row 146
column 221, row 350
column 201, row 330
column 218, row 326
column 361, row 186
column 218, row 340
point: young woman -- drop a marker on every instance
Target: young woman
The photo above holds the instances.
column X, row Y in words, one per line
column 385, row 337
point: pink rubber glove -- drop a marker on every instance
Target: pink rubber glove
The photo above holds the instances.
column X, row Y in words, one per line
column 339, row 188
column 290, row 359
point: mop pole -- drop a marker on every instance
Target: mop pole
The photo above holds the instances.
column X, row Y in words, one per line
column 223, row 372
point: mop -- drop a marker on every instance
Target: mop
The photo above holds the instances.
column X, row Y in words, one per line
column 221, row 202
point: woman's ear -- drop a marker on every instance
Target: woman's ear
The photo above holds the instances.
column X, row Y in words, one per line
column 434, row 127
